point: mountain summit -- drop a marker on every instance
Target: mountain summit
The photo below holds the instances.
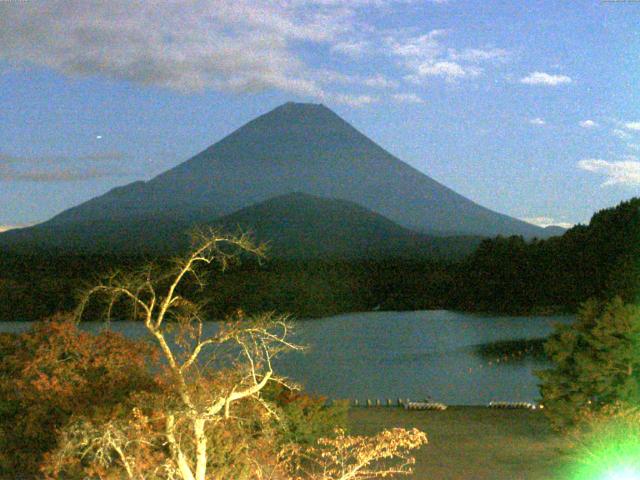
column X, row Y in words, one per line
column 297, row 147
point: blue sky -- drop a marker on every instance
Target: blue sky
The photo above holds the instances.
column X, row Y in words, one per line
column 531, row 108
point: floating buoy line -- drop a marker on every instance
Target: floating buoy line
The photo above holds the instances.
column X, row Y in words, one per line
column 430, row 405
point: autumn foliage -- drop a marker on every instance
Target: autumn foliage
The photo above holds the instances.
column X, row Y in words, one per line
column 55, row 371
column 356, row 457
column 196, row 403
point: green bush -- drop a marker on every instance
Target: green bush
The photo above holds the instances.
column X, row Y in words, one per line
column 306, row 418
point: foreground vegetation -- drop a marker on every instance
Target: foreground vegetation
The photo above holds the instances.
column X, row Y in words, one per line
column 184, row 406
column 191, row 407
column 477, row 443
column 591, row 392
column 595, row 363
column 507, row 275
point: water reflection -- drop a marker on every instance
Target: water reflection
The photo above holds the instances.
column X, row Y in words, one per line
column 418, row 354
column 438, row 354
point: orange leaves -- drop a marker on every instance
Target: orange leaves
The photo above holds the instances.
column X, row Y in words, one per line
column 91, row 402
column 55, row 371
column 353, row 457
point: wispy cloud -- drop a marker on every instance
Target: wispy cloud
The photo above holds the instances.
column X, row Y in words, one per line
column 225, row 45
column 379, row 81
column 356, row 100
column 374, row 81
column 425, row 46
column 537, row 121
column 407, row 98
column 229, row 45
column 56, row 175
column 58, row 168
column 354, row 48
column 547, row 222
column 479, row 54
column 109, row 156
column 542, row 78
column 632, row 126
column 448, row 70
column 426, row 56
column 588, row 124
column 624, row 172
column 621, row 134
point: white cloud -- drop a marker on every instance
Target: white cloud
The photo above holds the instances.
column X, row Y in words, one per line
column 478, row 54
column 351, row 48
column 632, row 126
column 624, row 172
column 423, row 46
column 450, row 71
column 445, row 69
column 541, row 78
column 354, row 100
column 537, row 121
column 633, row 146
column 566, row 225
column 407, row 98
column 375, row 81
column 379, row 81
column 226, row 45
column 547, row 222
column 588, row 124
column 621, row 134
column 426, row 56
column 187, row 48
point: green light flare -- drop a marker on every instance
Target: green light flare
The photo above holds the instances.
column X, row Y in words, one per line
column 609, row 458
column 623, row 473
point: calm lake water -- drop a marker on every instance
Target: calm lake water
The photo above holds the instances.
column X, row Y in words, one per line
column 403, row 354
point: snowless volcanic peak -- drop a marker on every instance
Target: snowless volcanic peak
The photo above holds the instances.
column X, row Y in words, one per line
column 298, row 147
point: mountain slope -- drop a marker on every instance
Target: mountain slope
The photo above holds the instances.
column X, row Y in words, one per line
column 298, row 225
column 297, row 148
column 294, row 225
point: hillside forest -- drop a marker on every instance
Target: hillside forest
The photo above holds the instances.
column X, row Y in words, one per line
column 503, row 275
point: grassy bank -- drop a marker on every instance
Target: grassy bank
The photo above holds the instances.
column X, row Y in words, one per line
column 475, row 443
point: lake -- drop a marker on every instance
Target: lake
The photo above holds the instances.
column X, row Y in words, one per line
column 404, row 354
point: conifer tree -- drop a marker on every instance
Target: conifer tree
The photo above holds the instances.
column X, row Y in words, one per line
column 596, row 362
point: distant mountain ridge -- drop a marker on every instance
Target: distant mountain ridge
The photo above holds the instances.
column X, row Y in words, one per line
column 295, row 226
column 296, row 147
column 298, row 225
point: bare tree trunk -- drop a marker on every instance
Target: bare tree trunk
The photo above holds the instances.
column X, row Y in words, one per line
column 201, row 448
column 176, row 451
column 260, row 340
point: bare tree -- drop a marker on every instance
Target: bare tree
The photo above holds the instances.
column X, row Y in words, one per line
column 156, row 301
column 357, row 457
column 209, row 385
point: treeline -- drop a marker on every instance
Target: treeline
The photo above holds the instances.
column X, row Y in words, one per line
column 600, row 260
column 38, row 285
column 507, row 275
